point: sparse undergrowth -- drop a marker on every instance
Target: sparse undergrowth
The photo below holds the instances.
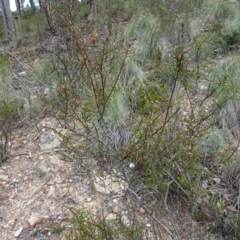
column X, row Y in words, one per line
column 86, row 225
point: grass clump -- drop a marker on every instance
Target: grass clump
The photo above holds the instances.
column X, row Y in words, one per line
column 223, row 16
column 230, row 32
column 7, row 113
column 220, row 10
column 30, row 27
column 5, row 64
column 225, row 84
column 89, row 226
column 213, row 141
column 147, row 29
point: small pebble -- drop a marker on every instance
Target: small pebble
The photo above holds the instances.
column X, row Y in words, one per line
column 132, row 165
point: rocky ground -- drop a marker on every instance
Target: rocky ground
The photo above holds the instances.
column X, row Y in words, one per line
column 37, row 188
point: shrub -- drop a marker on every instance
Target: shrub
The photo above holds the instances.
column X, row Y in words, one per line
column 120, row 111
column 213, row 141
column 7, row 112
column 89, row 226
column 223, row 17
column 230, row 31
column 225, row 84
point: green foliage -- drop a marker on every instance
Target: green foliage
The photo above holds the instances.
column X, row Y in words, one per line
column 225, row 85
column 208, row 44
column 30, row 27
column 7, row 108
column 212, row 209
column 83, row 12
column 7, row 111
column 27, row 13
column 147, row 29
column 124, row 10
column 212, row 141
column 225, row 16
column 231, row 31
column 5, row 64
column 220, row 10
column 2, row 30
column 226, row 77
column 46, row 68
column 88, row 226
column 57, row 229
column 233, row 170
column 148, row 97
column 217, row 33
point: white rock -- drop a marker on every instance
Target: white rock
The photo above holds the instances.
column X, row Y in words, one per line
column 72, row 190
column 12, row 222
column 52, row 208
column 31, row 200
column 58, row 180
column 125, row 220
column 115, row 209
column 36, row 189
column 205, row 184
column 33, row 97
column 55, row 161
column 46, row 91
column 51, row 182
column 22, row 73
column 131, row 165
column 51, row 191
column 48, row 141
column 142, row 210
column 100, row 189
column 34, row 218
column 109, row 184
column 203, row 87
column 111, row 217
column 3, row 177
column 217, row 180
column 43, row 167
column 18, row 232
